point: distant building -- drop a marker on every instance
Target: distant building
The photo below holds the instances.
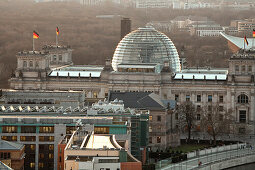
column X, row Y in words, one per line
column 125, row 27
column 12, row 154
column 205, row 29
column 153, row 4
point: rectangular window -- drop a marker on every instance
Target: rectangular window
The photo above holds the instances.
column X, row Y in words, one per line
column 95, row 95
column 176, row 98
column 27, row 138
column 176, row 116
column 101, row 130
column 221, row 99
column 60, row 57
column 250, row 68
column 150, row 118
column 243, row 68
column 198, row 116
column 51, row 147
column 24, row 64
column 187, row 98
column 158, row 139
column 199, row 98
column 198, row 108
column 60, row 159
column 242, row 116
column 51, row 156
column 32, row 147
column 46, row 129
column 41, row 165
column 237, row 68
column 159, row 118
column 32, row 165
column 209, row 98
column 30, row 63
column 28, row 129
column 9, row 129
column 221, row 108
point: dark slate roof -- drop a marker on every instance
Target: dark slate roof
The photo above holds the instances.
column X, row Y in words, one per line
column 6, row 145
column 139, row 100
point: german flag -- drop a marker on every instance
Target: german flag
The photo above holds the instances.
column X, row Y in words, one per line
column 253, row 33
column 57, row 31
column 35, row 35
column 246, row 41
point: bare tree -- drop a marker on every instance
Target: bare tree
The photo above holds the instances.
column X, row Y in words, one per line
column 215, row 120
column 186, row 117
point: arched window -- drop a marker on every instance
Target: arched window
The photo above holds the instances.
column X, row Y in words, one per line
column 24, row 63
column 243, row 98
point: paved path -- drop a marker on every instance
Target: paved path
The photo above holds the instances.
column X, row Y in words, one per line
column 207, row 159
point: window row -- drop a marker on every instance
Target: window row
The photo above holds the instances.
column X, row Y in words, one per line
column 243, row 68
column 199, row 98
column 30, row 64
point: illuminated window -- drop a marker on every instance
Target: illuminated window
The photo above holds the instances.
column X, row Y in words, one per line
column 41, row 165
column 32, row 147
column 150, row 117
column 51, row 147
column 46, row 129
column 94, row 94
column 51, row 156
column 51, row 138
column 9, row 129
column 32, row 164
column 101, row 130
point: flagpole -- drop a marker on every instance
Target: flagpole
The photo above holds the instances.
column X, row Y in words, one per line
column 57, row 39
column 33, row 43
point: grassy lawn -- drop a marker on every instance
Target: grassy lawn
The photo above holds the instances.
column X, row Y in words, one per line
column 189, row 147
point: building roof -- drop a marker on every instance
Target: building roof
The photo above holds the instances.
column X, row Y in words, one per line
column 77, row 71
column 202, row 74
column 99, row 142
column 238, row 41
column 138, row 100
column 6, row 145
column 4, row 166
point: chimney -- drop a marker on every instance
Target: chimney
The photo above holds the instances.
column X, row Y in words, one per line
column 125, row 27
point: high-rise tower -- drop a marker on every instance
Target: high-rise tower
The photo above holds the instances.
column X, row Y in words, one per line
column 125, row 27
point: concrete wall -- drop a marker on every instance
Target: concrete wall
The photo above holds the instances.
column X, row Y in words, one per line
column 231, row 163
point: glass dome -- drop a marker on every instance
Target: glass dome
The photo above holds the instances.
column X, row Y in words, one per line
column 146, row 45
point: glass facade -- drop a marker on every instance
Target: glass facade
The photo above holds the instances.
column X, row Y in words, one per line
column 146, row 45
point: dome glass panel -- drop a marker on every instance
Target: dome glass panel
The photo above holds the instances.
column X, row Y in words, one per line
column 146, row 45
